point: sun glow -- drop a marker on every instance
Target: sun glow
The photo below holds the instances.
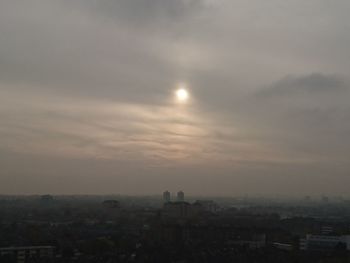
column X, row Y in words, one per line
column 182, row 94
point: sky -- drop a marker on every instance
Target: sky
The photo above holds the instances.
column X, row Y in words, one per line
column 87, row 97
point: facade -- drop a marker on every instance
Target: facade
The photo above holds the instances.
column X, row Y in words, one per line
column 111, row 204
column 208, row 205
column 325, row 199
column 177, row 209
column 327, row 230
column 180, row 196
column 46, row 198
column 25, row 254
column 324, row 243
column 282, row 246
column 196, row 234
column 182, row 210
column 166, row 196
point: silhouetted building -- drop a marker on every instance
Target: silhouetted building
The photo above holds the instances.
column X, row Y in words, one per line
column 182, row 209
column 180, row 196
column 324, row 243
column 283, row 246
column 177, row 209
column 307, row 198
column 166, row 196
column 46, row 198
column 325, row 199
column 28, row 254
column 111, row 204
column 207, row 205
column 197, row 234
column 326, row 230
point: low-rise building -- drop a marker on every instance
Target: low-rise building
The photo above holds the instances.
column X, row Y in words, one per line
column 25, row 254
column 208, row 205
column 323, row 242
column 111, row 204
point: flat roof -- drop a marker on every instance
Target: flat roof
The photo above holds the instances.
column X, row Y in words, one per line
column 25, row 248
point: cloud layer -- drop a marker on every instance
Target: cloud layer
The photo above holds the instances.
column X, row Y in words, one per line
column 86, row 96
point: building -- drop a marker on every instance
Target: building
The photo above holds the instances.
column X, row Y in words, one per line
column 283, row 246
column 325, row 199
column 180, row 196
column 307, row 198
column 207, row 205
column 177, row 209
column 324, row 243
column 27, row 254
column 211, row 234
column 182, row 210
column 111, row 204
column 166, row 197
column 326, row 230
column 46, row 198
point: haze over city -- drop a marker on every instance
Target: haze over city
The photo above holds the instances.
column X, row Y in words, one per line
column 225, row 97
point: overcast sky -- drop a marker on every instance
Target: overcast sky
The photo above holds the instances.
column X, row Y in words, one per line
column 87, row 96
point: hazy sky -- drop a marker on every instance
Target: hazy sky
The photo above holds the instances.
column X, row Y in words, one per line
column 87, row 96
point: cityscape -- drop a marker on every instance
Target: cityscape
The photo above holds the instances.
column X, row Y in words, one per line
column 174, row 131
column 174, row 228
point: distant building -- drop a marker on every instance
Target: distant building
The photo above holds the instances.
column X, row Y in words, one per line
column 181, row 210
column 46, row 198
column 166, row 196
column 307, row 198
column 253, row 241
column 177, row 209
column 324, row 243
column 207, row 205
column 283, row 246
column 180, row 196
column 325, row 199
column 111, row 204
column 28, row 254
column 197, row 234
column 326, row 230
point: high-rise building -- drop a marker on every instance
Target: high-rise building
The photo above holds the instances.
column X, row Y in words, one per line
column 180, row 196
column 166, row 196
column 325, row 199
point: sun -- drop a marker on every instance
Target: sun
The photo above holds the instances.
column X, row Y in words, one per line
column 182, row 95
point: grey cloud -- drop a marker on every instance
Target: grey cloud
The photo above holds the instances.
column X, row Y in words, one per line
column 92, row 81
column 76, row 52
column 306, row 114
column 313, row 83
column 145, row 13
